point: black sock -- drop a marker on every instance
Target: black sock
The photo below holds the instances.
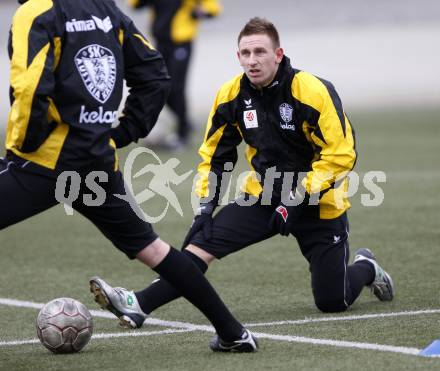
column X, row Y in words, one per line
column 160, row 292
column 360, row 274
column 184, row 275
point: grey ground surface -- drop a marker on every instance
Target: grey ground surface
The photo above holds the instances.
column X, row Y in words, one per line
column 378, row 54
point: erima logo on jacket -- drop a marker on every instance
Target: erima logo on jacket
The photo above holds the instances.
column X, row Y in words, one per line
column 89, row 25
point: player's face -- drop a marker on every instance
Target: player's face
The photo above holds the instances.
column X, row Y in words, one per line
column 259, row 58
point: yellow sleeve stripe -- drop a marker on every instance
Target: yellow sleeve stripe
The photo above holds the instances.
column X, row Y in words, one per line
column 145, row 41
column 24, row 78
column 133, row 3
column 57, row 51
column 227, row 93
column 21, row 27
column 24, row 83
column 206, row 151
column 212, row 7
column 251, row 183
column 304, row 88
column 337, row 155
column 312, row 92
column 49, row 152
column 121, row 36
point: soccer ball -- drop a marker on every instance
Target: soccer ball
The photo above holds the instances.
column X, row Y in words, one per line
column 64, row 325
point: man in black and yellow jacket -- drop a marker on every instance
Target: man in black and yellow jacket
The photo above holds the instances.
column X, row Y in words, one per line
column 300, row 148
column 174, row 27
column 69, row 59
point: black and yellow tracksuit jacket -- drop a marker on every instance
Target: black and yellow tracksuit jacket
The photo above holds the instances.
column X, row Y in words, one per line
column 296, row 124
column 175, row 21
column 68, row 62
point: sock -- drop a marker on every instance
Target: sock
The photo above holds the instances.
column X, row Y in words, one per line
column 160, row 292
column 184, row 275
column 360, row 274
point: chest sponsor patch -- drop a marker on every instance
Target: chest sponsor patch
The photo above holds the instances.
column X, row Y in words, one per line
column 250, row 119
column 97, row 67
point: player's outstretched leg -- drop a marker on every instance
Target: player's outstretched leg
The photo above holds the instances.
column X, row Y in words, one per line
column 124, row 305
column 182, row 273
column 121, row 302
column 382, row 285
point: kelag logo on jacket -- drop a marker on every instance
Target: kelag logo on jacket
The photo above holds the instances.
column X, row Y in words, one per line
column 97, row 67
column 286, row 111
column 97, row 117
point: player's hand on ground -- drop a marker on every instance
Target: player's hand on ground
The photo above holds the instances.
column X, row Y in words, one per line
column 202, row 222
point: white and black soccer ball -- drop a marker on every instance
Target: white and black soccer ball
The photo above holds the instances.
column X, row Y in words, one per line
column 64, row 325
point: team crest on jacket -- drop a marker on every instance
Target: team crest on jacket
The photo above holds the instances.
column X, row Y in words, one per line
column 97, row 67
column 286, row 112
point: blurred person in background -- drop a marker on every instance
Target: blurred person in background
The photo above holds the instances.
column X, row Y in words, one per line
column 174, row 27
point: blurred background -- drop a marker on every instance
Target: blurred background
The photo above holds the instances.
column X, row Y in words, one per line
column 378, row 54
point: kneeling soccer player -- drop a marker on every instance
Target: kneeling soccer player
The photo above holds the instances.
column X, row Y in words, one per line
column 293, row 123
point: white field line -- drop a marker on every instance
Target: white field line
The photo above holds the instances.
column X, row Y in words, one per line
column 104, row 314
column 185, row 327
column 259, row 335
column 344, row 318
column 18, row 342
column 103, row 336
column 338, row 343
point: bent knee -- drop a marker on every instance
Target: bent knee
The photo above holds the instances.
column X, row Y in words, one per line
column 331, row 306
column 202, row 254
column 154, row 253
